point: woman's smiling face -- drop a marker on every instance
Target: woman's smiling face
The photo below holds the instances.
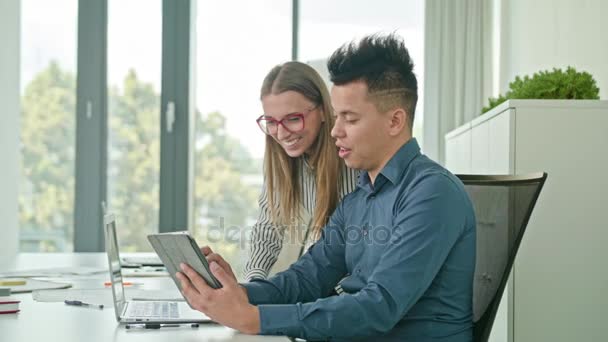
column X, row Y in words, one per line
column 278, row 106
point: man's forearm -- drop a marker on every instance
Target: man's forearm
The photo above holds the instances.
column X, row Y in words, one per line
column 345, row 317
column 261, row 292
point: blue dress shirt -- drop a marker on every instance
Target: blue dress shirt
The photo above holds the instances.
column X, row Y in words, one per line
column 404, row 250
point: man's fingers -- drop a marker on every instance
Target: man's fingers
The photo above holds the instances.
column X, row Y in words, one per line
column 214, row 257
column 191, row 294
column 187, row 288
column 222, row 275
column 197, row 281
column 206, row 250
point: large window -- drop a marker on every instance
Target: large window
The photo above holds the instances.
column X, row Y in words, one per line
column 326, row 25
column 235, row 50
column 235, row 43
column 134, row 69
column 48, row 98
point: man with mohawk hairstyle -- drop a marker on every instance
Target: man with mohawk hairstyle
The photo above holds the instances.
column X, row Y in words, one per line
column 402, row 244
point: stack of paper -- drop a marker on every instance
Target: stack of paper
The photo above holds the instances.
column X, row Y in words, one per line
column 104, row 296
column 55, row 272
column 8, row 304
column 21, row 285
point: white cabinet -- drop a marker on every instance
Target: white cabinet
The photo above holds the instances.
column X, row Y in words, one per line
column 500, row 143
column 480, row 149
column 458, row 152
column 558, row 289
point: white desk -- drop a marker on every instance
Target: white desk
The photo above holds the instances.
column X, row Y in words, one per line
column 59, row 322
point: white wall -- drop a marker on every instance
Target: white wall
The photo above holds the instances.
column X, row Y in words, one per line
column 542, row 34
column 9, row 128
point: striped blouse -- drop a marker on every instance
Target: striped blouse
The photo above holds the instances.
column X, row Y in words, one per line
column 267, row 245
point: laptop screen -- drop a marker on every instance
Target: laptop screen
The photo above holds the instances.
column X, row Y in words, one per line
column 114, row 264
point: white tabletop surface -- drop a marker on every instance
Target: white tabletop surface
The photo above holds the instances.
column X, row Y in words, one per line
column 45, row 322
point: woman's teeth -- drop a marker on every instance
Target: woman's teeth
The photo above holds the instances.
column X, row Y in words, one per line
column 291, row 142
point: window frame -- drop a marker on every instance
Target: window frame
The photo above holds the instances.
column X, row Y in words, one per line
column 177, row 110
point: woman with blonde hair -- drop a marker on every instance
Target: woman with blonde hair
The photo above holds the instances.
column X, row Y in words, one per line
column 304, row 179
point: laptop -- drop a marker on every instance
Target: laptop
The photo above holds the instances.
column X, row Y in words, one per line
column 134, row 261
column 142, row 311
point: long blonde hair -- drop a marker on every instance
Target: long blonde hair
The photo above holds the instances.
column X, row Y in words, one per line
column 282, row 172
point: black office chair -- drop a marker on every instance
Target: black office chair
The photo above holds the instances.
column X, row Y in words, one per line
column 503, row 205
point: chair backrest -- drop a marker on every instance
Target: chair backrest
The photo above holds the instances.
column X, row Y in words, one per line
column 503, row 205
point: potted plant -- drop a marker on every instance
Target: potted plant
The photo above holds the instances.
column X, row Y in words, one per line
column 555, row 84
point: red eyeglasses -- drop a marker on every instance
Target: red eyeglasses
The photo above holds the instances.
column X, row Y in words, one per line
column 293, row 122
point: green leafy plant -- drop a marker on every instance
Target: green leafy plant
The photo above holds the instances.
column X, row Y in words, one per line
column 555, row 84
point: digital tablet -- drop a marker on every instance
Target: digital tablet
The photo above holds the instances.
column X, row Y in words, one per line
column 179, row 247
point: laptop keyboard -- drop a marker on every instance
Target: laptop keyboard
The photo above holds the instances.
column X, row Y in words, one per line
column 153, row 309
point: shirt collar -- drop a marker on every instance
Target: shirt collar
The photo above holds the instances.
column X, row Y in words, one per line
column 396, row 165
column 306, row 162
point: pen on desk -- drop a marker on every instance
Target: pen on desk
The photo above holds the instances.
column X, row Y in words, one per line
column 157, row 325
column 124, row 283
column 12, row 282
column 79, row 303
column 150, row 269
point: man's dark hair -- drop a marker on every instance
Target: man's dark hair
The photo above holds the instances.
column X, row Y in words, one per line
column 384, row 64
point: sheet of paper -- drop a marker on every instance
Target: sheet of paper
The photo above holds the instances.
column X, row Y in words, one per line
column 145, row 272
column 33, row 285
column 55, row 272
column 104, row 296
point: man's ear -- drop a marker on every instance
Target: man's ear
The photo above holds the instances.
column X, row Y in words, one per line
column 398, row 121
